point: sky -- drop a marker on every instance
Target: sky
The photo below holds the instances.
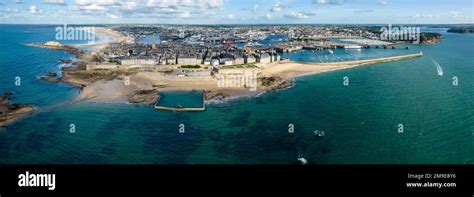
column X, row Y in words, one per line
column 236, row 11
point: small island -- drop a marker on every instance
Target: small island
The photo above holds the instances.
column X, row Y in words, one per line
column 430, row 38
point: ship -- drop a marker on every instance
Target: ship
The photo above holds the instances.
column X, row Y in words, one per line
column 352, row 47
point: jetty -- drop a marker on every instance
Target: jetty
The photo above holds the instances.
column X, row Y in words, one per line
column 364, row 62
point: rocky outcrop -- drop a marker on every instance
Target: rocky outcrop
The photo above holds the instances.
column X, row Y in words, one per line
column 144, row 96
column 274, row 83
column 215, row 95
column 10, row 112
column 78, row 53
column 51, row 77
column 283, row 85
column 65, row 61
column 79, row 76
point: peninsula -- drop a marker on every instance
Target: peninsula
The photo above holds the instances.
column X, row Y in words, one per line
column 9, row 112
column 187, row 59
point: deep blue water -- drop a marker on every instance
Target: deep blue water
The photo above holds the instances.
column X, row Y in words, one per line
column 360, row 120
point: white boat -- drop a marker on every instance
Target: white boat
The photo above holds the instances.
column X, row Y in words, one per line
column 438, row 67
column 319, row 133
column 352, row 47
column 330, row 51
column 302, row 160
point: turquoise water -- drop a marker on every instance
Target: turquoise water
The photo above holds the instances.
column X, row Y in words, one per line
column 360, row 120
column 184, row 99
column 348, row 54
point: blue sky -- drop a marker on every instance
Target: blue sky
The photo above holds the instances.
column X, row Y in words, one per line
column 235, row 11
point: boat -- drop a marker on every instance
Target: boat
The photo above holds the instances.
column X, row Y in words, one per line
column 252, row 44
column 319, row 133
column 225, row 42
column 302, row 160
column 439, row 69
column 352, row 47
column 330, row 51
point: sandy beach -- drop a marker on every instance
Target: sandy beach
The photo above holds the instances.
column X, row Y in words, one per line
column 114, row 90
column 105, row 36
column 291, row 70
column 117, row 91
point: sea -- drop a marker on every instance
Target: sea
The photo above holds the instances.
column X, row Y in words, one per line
column 401, row 112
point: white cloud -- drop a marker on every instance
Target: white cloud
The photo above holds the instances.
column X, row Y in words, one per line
column 383, row 2
column 185, row 14
column 93, row 7
column 96, row 2
column 18, row 1
column 129, row 5
column 267, row 17
column 162, row 3
column 113, row 16
column 34, row 10
column 362, row 11
column 298, row 15
column 458, row 15
column 231, row 17
column 329, row 2
column 276, row 7
column 9, row 10
column 255, row 8
column 58, row 2
column 187, row 3
column 211, row 3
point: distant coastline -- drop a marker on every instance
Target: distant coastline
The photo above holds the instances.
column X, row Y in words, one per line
column 463, row 30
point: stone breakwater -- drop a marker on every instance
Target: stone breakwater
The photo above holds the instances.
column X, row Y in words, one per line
column 368, row 61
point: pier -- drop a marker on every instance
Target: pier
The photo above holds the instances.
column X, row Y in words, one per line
column 368, row 61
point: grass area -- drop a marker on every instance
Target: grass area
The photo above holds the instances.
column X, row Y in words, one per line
column 190, row 66
column 239, row 66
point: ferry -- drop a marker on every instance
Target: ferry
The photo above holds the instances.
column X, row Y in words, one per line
column 352, row 47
